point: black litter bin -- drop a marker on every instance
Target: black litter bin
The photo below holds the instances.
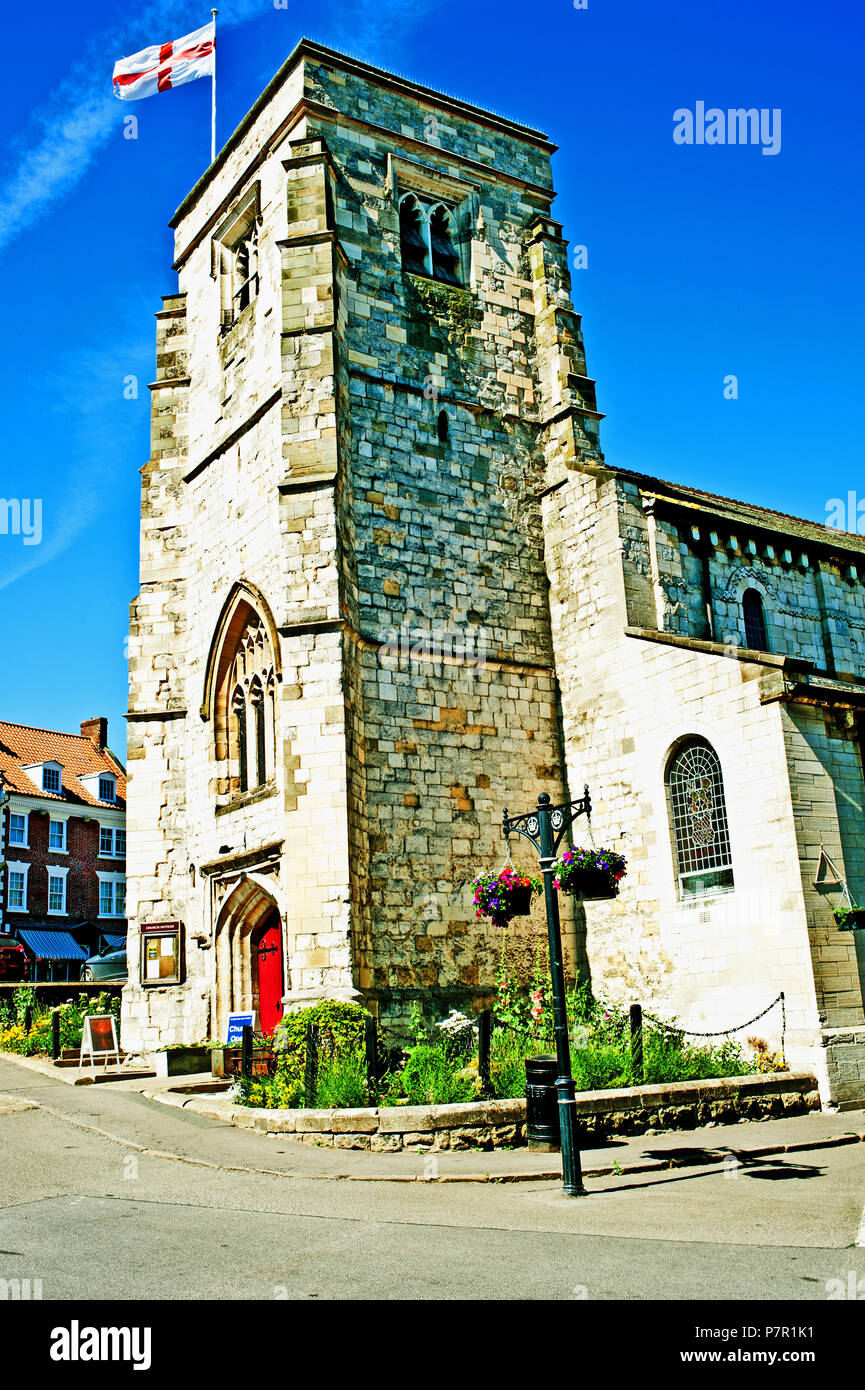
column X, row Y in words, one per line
column 542, row 1104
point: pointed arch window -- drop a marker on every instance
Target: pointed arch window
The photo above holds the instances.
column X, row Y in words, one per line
column 428, row 239
column 698, row 818
column 244, row 705
column 235, row 257
column 755, row 621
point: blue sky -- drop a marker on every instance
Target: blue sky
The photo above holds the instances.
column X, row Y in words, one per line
column 703, row 262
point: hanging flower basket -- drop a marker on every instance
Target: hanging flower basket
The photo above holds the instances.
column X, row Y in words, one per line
column 588, row 874
column 503, row 895
column 849, row 918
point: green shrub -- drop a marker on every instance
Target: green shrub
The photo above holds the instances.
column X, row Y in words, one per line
column 341, row 1033
column 430, row 1078
column 669, row 1058
column 279, row 1092
column 601, row 1067
column 508, row 1052
column 341, row 1083
column 24, row 998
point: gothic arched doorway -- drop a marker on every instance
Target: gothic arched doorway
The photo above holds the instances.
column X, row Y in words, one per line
column 249, row 958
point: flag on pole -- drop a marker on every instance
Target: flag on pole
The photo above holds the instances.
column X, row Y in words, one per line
column 167, row 65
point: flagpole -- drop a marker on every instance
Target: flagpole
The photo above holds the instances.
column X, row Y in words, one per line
column 213, row 94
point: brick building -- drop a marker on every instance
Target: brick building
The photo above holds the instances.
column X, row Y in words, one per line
column 63, row 892
column 389, row 586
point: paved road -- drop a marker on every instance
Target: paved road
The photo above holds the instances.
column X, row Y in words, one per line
column 94, row 1218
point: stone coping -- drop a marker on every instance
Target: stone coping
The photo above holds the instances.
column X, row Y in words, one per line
column 503, row 1114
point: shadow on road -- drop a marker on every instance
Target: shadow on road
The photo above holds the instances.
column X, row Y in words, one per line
column 733, row 1164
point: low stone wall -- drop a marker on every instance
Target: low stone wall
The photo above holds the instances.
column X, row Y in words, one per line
column 502, row 1123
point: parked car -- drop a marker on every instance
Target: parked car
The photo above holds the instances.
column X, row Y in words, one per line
column 14, row 961
column 109, row 967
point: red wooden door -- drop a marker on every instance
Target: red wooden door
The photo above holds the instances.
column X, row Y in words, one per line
column 270, row 986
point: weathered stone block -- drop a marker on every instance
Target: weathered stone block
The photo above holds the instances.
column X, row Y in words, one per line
column 385, row 1143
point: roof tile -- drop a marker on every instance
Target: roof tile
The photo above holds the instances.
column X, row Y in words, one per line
column 21, row 746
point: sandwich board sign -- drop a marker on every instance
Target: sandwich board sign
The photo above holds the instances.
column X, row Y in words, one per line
column 99, row 1039
column 236, row 1025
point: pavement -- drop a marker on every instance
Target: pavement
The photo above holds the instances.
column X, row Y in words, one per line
column 120, row 1115
column 107, row 1194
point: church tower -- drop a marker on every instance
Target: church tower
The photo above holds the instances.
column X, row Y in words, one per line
column 341, row 665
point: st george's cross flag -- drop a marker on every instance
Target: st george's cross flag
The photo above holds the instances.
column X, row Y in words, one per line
column 167, row 65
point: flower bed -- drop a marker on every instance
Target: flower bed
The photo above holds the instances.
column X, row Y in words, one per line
column 442, row 1065
column 14, row 1036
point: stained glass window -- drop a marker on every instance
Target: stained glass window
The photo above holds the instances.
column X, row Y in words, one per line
column 698, row 811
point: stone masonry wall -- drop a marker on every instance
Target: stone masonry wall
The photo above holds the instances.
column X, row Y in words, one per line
column 452, row 707
column 714, row 962
column 627, row 701
column 495, row 1124
column 829, row 799
column 298, row 452
column 813, row 593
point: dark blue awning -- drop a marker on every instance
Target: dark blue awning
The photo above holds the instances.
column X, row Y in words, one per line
column 52, row 945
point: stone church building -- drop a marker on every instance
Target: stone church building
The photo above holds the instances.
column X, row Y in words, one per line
column 389, row 587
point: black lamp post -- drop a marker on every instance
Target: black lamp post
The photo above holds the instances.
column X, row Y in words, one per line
column 546, row 828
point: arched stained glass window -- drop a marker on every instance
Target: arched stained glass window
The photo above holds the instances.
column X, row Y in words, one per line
column 755, row 622
column 698, row 814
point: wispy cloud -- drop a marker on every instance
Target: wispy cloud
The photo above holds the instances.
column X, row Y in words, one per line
column 52, row 154
column 65, row 134
column 99, row 442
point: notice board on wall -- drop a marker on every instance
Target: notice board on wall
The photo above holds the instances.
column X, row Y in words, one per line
column 161, row 953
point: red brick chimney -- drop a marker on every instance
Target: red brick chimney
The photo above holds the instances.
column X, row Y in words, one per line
column 96, row 730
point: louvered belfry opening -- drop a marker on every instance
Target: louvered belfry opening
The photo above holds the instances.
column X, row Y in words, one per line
column 412, row 240
column 444, row 254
